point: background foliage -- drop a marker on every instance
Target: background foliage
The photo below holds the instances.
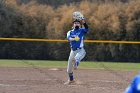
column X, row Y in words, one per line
column 51, row 19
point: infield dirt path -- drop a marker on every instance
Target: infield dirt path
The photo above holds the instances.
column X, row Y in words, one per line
column 44, row 80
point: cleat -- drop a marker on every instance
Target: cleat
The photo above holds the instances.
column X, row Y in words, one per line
column 70, row 82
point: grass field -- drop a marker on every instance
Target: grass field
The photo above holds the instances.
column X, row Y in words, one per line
column 63, row 64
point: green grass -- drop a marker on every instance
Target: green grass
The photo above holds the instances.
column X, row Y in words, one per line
column 63, row 64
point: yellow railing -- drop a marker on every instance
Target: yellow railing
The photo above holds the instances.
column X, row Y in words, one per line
column 55, row 40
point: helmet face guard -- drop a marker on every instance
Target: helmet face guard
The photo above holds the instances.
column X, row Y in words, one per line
column 76, row 21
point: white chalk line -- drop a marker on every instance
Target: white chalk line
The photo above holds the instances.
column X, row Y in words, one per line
column 107, row 81
column 12, row 85
column 21, row 85
column 79, row 83
column 29, row 80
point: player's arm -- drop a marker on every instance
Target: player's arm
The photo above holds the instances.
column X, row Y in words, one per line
column 71, row 38
column 86, row 29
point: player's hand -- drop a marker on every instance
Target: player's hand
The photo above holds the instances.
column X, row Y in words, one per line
column 76, row 38
column 83, row 21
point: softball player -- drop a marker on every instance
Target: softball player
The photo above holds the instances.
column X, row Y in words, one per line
column 134, row 87
column 76, row 39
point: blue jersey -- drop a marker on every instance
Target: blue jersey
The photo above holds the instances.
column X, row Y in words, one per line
column 134, row 87
column 77, row 32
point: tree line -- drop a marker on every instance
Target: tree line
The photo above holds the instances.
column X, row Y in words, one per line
column 108, row 20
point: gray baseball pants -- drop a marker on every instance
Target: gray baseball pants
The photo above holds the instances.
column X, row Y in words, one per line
column 75, row 56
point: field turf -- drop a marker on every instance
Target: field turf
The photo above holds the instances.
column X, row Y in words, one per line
column 63, row 64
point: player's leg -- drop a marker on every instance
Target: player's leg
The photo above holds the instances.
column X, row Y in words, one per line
column 79, row 56
column 70, row 67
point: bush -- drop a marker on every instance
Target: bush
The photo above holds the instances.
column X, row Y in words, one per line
column 108, row 20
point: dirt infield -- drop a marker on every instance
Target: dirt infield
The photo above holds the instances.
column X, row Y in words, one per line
column 44, row 80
